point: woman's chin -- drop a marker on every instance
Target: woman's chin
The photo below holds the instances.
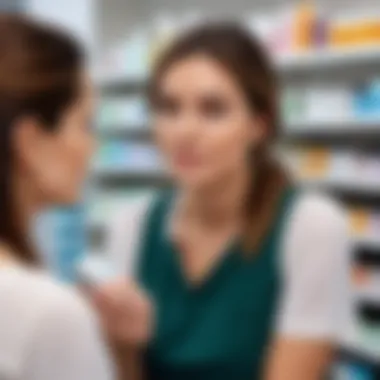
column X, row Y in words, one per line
column 193, row 180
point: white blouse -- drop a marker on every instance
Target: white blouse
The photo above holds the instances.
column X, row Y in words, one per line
column 315, row 300
column 47, row 331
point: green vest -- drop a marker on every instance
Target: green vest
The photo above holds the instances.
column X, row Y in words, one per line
column 221, row 329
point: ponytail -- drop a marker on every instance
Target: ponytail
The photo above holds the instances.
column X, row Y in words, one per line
column 268, row 183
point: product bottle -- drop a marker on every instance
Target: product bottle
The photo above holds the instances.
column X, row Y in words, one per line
column 305, row 24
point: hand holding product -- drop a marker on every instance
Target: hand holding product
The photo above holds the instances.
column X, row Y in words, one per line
column 124, row 309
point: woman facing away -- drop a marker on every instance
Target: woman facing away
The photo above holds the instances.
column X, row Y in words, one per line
column 47, row 332
column 244, row 272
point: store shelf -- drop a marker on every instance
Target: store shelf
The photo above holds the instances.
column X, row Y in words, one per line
column 329, row 58
column 126, row 172
column 362, row 189
column 290, row 62
column 123, row 131
column 121, row 83
column 371, row 241
column 336, row 127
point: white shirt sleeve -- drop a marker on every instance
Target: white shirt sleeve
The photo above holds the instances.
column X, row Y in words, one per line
column 315, row 302
column 66, row 343
column 124, row 235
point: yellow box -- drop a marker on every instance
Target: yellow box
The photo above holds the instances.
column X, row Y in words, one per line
column 315, row 163
column 359, row 221
column 355, row 33
column 305, row 21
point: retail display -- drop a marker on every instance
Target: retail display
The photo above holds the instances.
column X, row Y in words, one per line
column 122, row 112
column 328, row 105
column 309, row 46
column 291, row 30
column 335, row 166
column 128, row 157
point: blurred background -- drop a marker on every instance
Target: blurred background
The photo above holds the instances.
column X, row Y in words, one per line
column 327, row 54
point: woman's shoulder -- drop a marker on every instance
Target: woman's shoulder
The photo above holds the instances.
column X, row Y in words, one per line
column 315, row 268
column 315, row 211
column 36, row 295
column 34, row 308
column 316, row 221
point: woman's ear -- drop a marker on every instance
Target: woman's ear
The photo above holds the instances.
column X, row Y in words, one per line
column 26, row 141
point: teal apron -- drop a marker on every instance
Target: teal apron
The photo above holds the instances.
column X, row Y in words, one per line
column 221, row 329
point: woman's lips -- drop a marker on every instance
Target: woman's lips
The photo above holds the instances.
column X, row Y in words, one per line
column 187, row 160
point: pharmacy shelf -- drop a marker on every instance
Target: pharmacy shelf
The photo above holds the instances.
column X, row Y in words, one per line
column 362, row 189
column 329, row 58
column 121, row 83
column 367, row 127
column 123, row 131
column 350, row 127
column 371, row 241
column 126, row 172
column 323, row 59
column 351, row 187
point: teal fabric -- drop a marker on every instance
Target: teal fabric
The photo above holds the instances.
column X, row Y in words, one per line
column 221, row 329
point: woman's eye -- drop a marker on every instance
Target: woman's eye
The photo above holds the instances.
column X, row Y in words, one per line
column 213, row 107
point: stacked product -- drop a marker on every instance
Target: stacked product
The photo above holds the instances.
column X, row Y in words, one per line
column 128, row 157
column 336, row 166
column 365, row 223
column 332, row 105
column 123, row 112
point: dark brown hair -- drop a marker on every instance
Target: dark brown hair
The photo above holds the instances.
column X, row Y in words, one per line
column 39, row 76
column 242, row 55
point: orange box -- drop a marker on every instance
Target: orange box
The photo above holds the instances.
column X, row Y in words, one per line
column 305, row 21
column 315, row 163
column 359, row 220
column 355, row 33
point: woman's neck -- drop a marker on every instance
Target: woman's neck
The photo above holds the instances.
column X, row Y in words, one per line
column 7, row 257
column 26, row 204
column 220, row 203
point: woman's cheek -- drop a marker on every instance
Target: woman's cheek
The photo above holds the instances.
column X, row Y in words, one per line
column 72, row 169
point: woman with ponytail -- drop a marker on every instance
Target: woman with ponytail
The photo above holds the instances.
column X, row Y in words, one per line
column 241, row 268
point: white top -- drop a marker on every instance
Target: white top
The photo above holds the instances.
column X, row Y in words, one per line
column 47, row 331
column 315, row 301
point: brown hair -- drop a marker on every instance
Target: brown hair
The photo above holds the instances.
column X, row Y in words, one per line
column 244, row 57
column 39, row 76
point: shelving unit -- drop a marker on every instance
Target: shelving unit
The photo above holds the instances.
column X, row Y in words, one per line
column 361, row 189
column 128, row 132
column 367, row 241
column 328, row 59
column 318, row 60
column 320, row 66
column 337, row 127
